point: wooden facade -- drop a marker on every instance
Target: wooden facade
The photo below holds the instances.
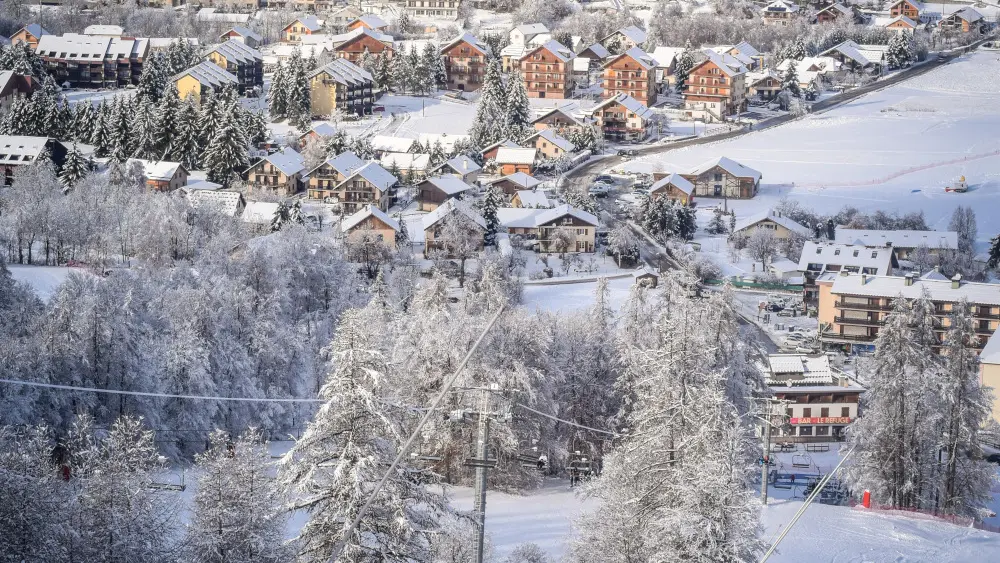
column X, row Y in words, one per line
column 547, row 73
column 354, row 49
column 715, row 90
column 626, row 74
column 906, row 8
column 717, row 182
column 465, row 63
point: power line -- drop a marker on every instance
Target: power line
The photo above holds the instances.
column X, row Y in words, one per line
column 158, row 395
column 571, row 423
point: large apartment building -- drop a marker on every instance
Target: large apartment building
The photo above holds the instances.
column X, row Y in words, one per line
column 465, row 63
column 240, row 60
column 547, row 71
column 633, row 73
column 341, row 85
column 433, row 9
column 87, row 61
column 716, row 88
column 853, row 307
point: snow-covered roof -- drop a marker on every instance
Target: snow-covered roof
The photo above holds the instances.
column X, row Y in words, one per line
column 901, row 239
column 74, row 47
column 554, row 138
column 447, row 141
column 638, row 55
column 503, row 143
column 323, row 129
column 211, row 15
column 774, row 217
column 782, row 265
column 755, row 76
column 343, row 72
column 345, row 163
column 521, row 179
column 450, row 185
column 909, row 23
column 238, row 51
column 364, row 213
column 528, row 29
column 599, row 51
column 814, row 65
column 675, row 180
column 246, row 32
column 862, row 54
column 729, row 65
column 934, row 274
column 516, row 155
column 106, row 30
column 549, row 215
column 344, row 38
column 288, row 161
column 372, row 21
column 223, row 202
column 939, row 290
column 632, row 32
column 447, row 208
column 20, row 149
column 535, row 199
column 799, row 369
column 208, row 74
column 628, row 102
column 839, row 8
column 828, row 254
column 732, row 59
column 284, row 52
column 565, row 109
column 781, row 6
column 729, row 165
column 201, row 185
column 968, row 14
column 918, row 5
column 388, row 143
column 311, row 23
column 406, row 160
column 514, row 51
column 161, row 170
column 260, row 212
column 35, row 30
column 461, row 164
column 561, row 52
column 527, row 218
column 471, row 40
column 747, row 49
column 991, row 352
column 374, row 174
column 665, row 56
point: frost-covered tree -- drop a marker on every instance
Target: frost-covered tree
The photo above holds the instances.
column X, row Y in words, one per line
column 517, row 109
column 685, row 63
column 347, row 448
column 790, row 80
column 963, row 222
column 75, row 167
column 154, row 78
column 460, row 238
column 238, row 513
column 494, row 200
column 226, row 156
column 994, row 253
column 762, row 246
column 277, row 99
column 166, row 129
column 528, row 553
column 717, row 225
column 185, row 147
column 489, row 126
column 899, row 53
column 622, row 243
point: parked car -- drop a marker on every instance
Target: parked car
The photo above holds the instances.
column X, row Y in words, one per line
column 628, row 153
column 599, row 190
column 605, row 179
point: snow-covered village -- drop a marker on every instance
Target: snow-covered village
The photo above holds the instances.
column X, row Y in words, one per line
column 499, row 281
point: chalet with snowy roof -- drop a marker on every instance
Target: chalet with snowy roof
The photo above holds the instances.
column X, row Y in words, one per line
column 716, row 88
column 622, row 118
column 324, row 179
column 780, row 12
column 854, row 57
column 13, row 84
column 765, row 84
column 306, row 25
column 853, row 307
column 531, row 199
column 29, row 35
column 744, row 54
column 370, row 219
column 541, row 225
column 550, row 145
column 903, row 242
column 596, row 53
column 412, row 165
column 340, row 17
column 161, row 175
column 673, row 187
column 530, row 34
column 383, row 144
column 435, row 10
column 813, row 72
column 223, row 202
column 460, row 166
column 319, row 132
column 512, row 183
column 560, row 119
column 434, row 191
column 369, row 21
column 632, row 73
column 369, row 185
column 782, row 226
column 901, row 24
column 966, row 20
column 354, row 44
column 547, row 71
column 434, row 223
column 490, row 152
column 341, row 85
column 280, row 172
column 836, row 12
column 192, row 187
column 245, row 35
column 510, row 160
column 202, row 78
column 909, row 8
column 822, row 401
column 19, row 150
column 240, row 60
column 665, row 59
column 819, row 258
column 85, row 61
column 624, row 39
column 724, row 177
column 465, row 63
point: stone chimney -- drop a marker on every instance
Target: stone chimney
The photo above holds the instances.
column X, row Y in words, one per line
column 956, row 281
column 909, row 279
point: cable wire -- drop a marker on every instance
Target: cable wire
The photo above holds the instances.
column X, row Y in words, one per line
column 546, row 415
column 158, row 395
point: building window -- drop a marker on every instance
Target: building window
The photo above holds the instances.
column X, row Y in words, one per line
column 845, row 411
column 807, row 413
column 824, row 412
column 805, row 430
column 822, row 430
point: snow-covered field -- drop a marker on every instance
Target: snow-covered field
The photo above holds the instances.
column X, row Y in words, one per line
column 893, row 150
column 45, row 280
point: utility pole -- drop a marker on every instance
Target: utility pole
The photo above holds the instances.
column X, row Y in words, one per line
column 766, row 465
column 482, row 456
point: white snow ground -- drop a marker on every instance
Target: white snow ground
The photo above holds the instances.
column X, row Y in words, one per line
column 45, row 280
column 893, row 150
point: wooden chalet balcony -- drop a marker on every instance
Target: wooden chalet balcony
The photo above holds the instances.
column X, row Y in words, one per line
column 861, row 306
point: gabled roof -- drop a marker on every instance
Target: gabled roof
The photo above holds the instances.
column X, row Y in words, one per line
column 934, row 274
column 461, row 164
column 35, row 30
column 839, row 8
column 226, row 203
column 775, row 217
column 901, row 238
column 450, row 185
column 388, row 143
column 549, row 215
column 599, row 51
column 161, row 170
column 747, row 49
column 503, row 143
column 238, row 51
column 781, row 6
column 554, row 138
column 343, row 72
column 728, row 64
column 561, row 52
column 862, row 54
column 345, row 39
column 754, row 77
column 245, row 32
column 632, row 32
column 471, row 40
column 628, row 102
column 563, row 109
column 638, row 55
column 518, row 155
column 665, row 56
column 845, row 255
column 344, row 163
column 406, row 160
column 99, row 29
column 520, row 179
column 371, row 20
column 731, row 166
column 375, row 175
column 532, row 28
column 208, row 74
column 918, row 5
column 286, row 160
column 533, row 199
column 528, row 218
column 968, row 14
column 909, row 23
column 799, row 369
column 309, row 22
column 447, row 208
column 323, row 129
column 675, row 180
column 364, row 213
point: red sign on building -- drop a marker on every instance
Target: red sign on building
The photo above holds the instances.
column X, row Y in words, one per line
column 822, row 420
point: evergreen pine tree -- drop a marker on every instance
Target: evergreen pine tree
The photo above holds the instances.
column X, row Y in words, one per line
column 494, row 200
column 186, row 147
column 101, row 134
column 683, row 68
column 416, row 74
column 899, row 53
column 281, row 217
column 517, row 110
column 120, row 131
column 154, row 78
column 226, row 156
column 790, row 81
column 430, row 63
column 717, row 225
column 490, row 123
column 994, row 253
column 143, row 129
column 211, row 113
column 167, row 125
column 75, row 167
column 277, row 101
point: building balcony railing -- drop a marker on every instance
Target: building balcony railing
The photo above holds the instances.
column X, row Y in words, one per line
column 835, row 336
column 864, row 322
column 861, row 306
